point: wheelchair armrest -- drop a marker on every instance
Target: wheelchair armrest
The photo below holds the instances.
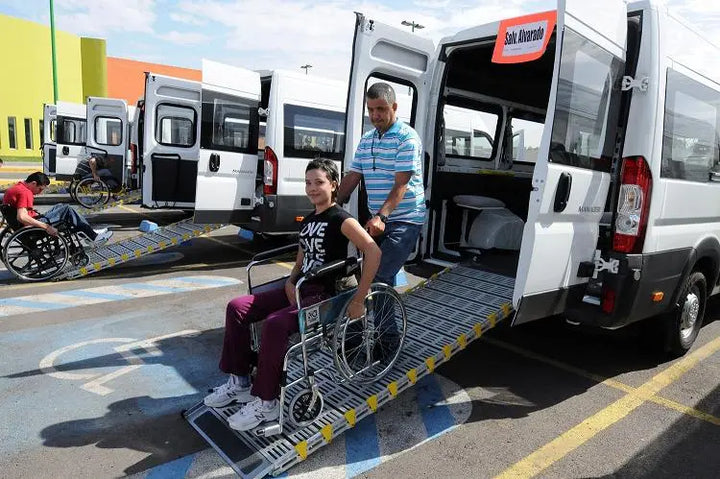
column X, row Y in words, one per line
column 320, row 271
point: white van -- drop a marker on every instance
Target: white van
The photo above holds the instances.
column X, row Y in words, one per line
column 234, row 147
column 302, row 117
column 603, row 123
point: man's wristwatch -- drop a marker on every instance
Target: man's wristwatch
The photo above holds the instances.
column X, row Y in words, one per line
column 382, row 217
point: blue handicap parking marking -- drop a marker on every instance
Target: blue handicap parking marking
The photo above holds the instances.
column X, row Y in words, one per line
column 362, row 449
column 173, row 469
column 80, row 297
column 436, row 416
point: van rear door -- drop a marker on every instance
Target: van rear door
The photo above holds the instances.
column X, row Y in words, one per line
column 229, row 144
column 49, row 148
column 171, row 141
column 71, row 136
column 572, row 175
column 107, row 120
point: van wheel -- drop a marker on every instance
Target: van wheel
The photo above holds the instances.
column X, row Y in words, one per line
column 683, row 323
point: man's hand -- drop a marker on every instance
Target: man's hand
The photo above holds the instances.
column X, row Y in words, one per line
column 290, row 292
column 356, row 308
column 51, row 231
column 96, row 177
column 375, row 226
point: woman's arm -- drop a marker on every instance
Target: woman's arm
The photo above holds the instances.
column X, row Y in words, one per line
column 294, row 276
column 371, row 262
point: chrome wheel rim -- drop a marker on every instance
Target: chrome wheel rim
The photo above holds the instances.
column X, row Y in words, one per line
column 689, row 315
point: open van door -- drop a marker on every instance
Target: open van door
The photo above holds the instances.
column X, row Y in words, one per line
column 171, row 142
column 107, row 120
column 228, row 144
column 572, row 175
column 71, row 136
column 49, row 148
column 392, row 54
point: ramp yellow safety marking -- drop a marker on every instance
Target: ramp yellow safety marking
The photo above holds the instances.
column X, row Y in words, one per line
column 447, row 351
column 462, row 341
column 393, row 388
column 492, row 317
column 506, row 308
column 412, row 375
column 302, row 450
column 430, row 364
column 350, row 417
column 372, row 401
column 327, row 432
column 478, row 330
column 570, row 440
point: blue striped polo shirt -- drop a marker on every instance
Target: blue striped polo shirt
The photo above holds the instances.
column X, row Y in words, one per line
column 379, row 158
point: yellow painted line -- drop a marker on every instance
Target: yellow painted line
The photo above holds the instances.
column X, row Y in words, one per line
column 613, row 383
column 285, row 264
column 127, row 208
column 229, row 245
column 19, row 169
column 575, row 437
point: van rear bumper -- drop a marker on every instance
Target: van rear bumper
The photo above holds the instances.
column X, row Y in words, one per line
column 279, row 214
column 638, row 277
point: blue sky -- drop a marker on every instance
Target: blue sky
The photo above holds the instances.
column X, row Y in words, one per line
column 267, row 34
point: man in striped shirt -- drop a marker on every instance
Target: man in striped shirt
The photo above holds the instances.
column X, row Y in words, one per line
column 389, row 158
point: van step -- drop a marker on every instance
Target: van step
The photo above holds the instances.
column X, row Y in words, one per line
column 144, row 244
column 441, row 322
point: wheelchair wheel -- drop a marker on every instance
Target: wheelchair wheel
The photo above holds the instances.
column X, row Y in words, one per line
column 366, row 348
column 33, row 255
column 71, row 189
column 4, row 237
column 80, row 259
column 303, row 410
column 91, row 193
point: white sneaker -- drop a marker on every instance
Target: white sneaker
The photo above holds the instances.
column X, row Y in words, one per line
column 227, row 393
column 100, row 231
column 253, row 414
column 103, row 237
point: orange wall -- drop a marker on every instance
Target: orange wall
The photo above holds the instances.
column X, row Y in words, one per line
column 126, row 78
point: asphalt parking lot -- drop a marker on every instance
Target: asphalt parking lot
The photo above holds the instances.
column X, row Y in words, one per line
column 544, row 399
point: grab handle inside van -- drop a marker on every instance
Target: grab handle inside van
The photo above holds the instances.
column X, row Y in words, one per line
column 562, row 194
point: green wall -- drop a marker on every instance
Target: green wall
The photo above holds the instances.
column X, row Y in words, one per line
column 26, row 83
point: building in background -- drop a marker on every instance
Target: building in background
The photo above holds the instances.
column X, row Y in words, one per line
column 26, row 83
column 126, row 78
column 83, row 70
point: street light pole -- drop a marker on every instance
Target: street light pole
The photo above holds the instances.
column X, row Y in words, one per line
column 52, row 43
column 412, row 25
column 306, row 67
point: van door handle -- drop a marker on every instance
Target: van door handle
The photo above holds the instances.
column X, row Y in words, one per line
column 562, row 194
column 214, row 162
column 65, row 150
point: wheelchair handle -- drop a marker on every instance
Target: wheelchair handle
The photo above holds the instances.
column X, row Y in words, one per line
column 263, row 257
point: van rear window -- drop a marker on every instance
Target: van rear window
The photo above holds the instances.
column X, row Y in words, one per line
column 71, row 131
column 312, row 132
column 229, row 123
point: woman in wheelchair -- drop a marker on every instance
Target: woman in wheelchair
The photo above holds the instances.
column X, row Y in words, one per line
column 324, row 236
column 21, row 197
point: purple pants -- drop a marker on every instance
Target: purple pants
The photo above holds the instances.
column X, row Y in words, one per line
column 281, row 321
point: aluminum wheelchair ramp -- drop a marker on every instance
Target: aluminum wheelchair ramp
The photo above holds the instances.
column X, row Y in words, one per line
column 125, row 199
column 144, row 244
column 444, row 313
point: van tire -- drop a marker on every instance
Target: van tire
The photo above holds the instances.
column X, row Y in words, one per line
column 682, row 324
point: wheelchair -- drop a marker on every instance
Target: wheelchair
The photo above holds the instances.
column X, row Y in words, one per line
column 31, row 254
column 89, row 192
column 358, row 347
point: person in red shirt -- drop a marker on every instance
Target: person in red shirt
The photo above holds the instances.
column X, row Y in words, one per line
column 22, row 197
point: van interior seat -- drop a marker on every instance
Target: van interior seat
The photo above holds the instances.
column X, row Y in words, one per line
column 496, row 228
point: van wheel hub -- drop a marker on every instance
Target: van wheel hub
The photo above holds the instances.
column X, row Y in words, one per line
column 689, row 315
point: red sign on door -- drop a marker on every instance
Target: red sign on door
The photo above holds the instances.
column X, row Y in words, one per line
column 524, row 39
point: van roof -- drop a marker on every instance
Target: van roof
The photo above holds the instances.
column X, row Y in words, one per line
column 299, row 76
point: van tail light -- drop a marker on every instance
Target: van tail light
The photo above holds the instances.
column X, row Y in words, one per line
column 133, row 158
column 633, row 205
column 607, row 303
column 270, row 172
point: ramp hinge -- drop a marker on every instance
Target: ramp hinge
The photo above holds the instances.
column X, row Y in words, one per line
column 629, row 83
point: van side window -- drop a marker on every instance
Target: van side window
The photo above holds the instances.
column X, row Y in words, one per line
column 175, row 125
column 690, row 131
column 108, row 131
column 469, row 133
column 526, row 136
column 229, row 123
column 311, row 132
column 583, row 132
